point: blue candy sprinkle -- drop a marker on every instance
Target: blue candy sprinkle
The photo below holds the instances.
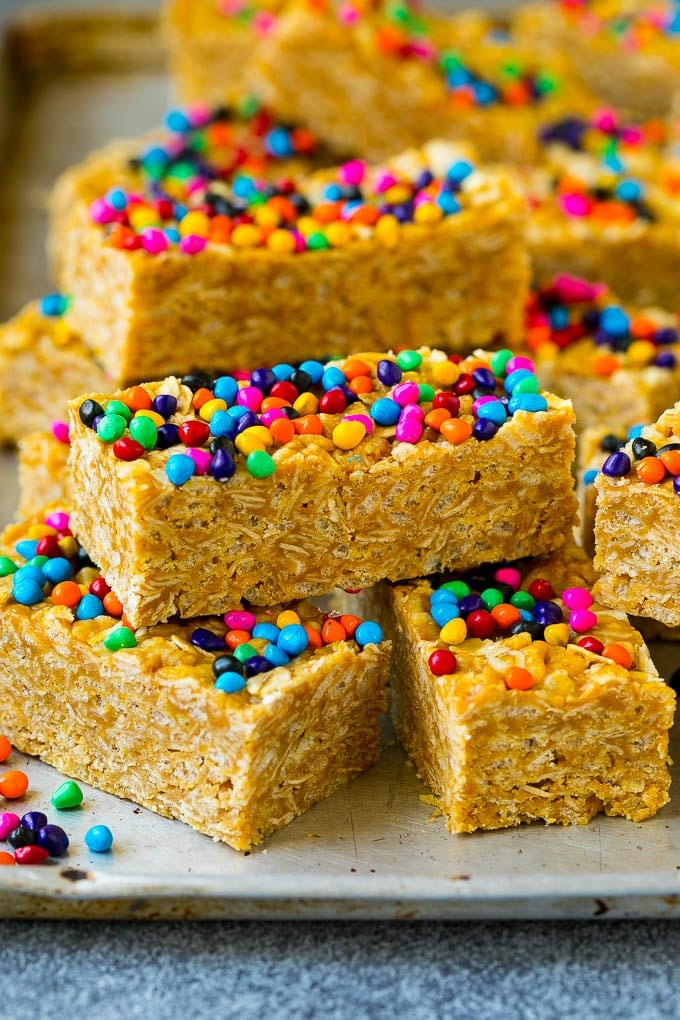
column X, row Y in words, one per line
column 29, row 572
column 57, row 569
column 266, row 631
column 369, row 633
column 493, row 410
column 385, row 412
column 635, row 431
column 442, row 612
column 53, row 305
column 628, row 191
column 332, row 377
column 278, row 142
column 293, row 639
column 177, row 121
column 443, row 595
column 222, row 424
column 117, row 198
column 448, row 203
column 590, row 476
column 515, row 377
column 180, row 468
column 459, row 170
column 238, row 411
column 89, row 608
column 230, row 682
column 99, row 839
column 26, row 591
column 226, row 388
column 332, row 193
column 275, row 655
column 614, row 321
column 27, row 548
column 314, row 370
column 532, row 402
column 283, row 371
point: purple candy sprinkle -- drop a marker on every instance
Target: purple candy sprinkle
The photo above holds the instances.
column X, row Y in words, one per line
column 616, row 464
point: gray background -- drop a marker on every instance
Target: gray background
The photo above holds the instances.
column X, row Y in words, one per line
column 487, row 970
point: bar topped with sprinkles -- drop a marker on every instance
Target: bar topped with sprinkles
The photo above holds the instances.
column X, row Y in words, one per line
column 301, row 479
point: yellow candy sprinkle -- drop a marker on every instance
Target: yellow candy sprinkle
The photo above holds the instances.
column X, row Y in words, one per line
column 156, row 418
column 281, row 241
column 259, row 644
column 40, row 531
column 307, row 225
column 640, row 353
column 141, row 216
column 397, row 194
column 265, row 216
column 255, row 438
column 246, row 235
column 62, row 333
column 195, row 223
column 428, row 212
column 388, row 230
column 348, row 434
column 445, row 373
column 338, row 234
column 454, row 632
column 285, row 618
column 208, row 409
column 306, row 403
column 557, row 634
column 69, row 547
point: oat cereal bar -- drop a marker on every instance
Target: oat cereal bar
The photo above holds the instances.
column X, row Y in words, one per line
column 287, row 482
column 233, row 724
column 40, row 354
column 520, row 699
column 620, row 367
column 636, row 523
column 43, row 469
column 374, row 79
column 185, row 270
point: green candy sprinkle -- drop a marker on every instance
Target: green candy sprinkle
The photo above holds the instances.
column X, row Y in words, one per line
column 118, row 407
column 522, row 600
column 37, row 561
column 409, row 360
column 425, row 393
column 260, row 464
column 529, row 384
column 7, row 566
column 67, row 796
column 144, row 432
column 499, row 360
column 459, row 588
column 491, row 597
column 121, row 637
column 317, row 240
column 244, row 652
column 111, row 427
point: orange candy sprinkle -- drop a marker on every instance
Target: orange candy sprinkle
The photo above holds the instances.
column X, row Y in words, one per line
column 112, row 604
column 361, row 385
column 66, row 593
column 506, row 615
column 201, row 397
column 671, row 461
column 354, row 367
column 435, row 419
column 13, row 784
column 137, row 399
column 308, row 425
column 350, row 623
column 518, row 679
column 456, row 431
column 618, row 654
column 315, row 639
column 234, row 638
column 282, row 430
column 605, row 364
column 5, row 748
column 650, row 470
column 6, row 858
column 333, row 630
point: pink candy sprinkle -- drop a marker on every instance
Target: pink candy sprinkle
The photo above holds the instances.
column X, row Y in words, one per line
column 154, row 241
column 575, row 204
column 60, row 432
column 581, row 620
column 58, row 520
column 352, row 172
column 509, row 575
column 201, row 459
column 8, row 823
column 488, row 399
column 239, row 619
column 102, row 212
column 408, row 430
column 577, row 598
column 571, row 289
column 406, row 393
column 384, row 181
column 605, row 120
column 263, row 22
column 192, row 244
column 348, row 14
column 414, row 411
column 519, row 362
column 300, row 243
column 250, row 397
column 199, row 114
column 363, row 418
column 267, row 417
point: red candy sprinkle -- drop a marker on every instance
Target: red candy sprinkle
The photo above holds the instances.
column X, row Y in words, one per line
column 99, row 587
column 194, row 433
column 31, row 855
column 480, row 624
column 48, row 546
column 591, row 644
column 541, row 590
column 333, row 402
column 126, row 448
column 284, row 390
column 449, row 401
column 465, row 384
column 442, row 662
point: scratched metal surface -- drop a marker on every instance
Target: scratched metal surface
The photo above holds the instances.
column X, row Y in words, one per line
column 373, row 849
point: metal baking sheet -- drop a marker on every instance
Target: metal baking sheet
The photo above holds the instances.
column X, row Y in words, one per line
column 371, row 851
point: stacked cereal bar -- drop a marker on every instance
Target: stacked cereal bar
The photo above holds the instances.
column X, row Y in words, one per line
column 193, row 255
column 519, row 698
column 297, row 480
column 235, row 724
